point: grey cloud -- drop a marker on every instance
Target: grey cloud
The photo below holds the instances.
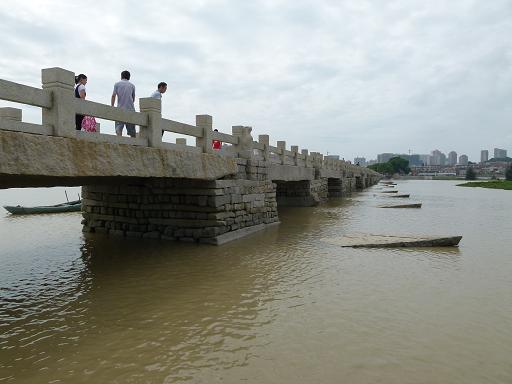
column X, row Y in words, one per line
column 355, row 77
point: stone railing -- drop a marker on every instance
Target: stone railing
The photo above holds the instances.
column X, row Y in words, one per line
column 59, row 107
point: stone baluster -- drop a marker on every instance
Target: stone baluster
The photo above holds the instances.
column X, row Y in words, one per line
column 9, row 113
column 282, row 147
column 244, row 148
column 181, row 141
column 265, row 140
column 60, row 84
column 295, row 151
column 152, row 108
column 306, row 158
column 205, row 142
column 314, row 159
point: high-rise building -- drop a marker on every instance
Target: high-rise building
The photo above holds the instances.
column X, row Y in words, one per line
column 484, row 155
column 361, row 161
column 384, row 157
column 500, row 153
column 414, row 160
column 463, row 160
column 452, row 158
column 438, row 158
column 424, row 159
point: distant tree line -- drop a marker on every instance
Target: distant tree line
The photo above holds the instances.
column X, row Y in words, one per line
column 394, row 165
column 508, row 173
column 470, row 174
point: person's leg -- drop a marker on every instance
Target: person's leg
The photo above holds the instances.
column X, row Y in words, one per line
column 130, row 128
column 78, row 122
column 119, row 128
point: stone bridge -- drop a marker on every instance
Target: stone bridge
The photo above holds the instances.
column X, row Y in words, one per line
column 144, row 187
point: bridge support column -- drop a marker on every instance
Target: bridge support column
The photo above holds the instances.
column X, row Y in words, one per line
column 303, row 193
column 335, row 187
column 180, row 209
column 359, row 183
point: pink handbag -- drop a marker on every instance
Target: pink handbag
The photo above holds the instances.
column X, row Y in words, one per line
column 89, row 124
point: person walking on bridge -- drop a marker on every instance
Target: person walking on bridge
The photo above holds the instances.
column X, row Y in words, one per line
column 161, row 89
column 80, row 93
column 125, row 93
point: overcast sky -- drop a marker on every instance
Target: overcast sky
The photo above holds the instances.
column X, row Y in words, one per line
column 351, row 77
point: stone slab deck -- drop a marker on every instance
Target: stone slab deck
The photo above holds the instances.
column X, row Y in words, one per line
column 390, row 241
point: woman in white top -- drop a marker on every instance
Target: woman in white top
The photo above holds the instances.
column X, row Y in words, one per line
column 80, row 93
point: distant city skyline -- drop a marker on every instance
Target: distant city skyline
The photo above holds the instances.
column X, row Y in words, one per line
column 438, row 157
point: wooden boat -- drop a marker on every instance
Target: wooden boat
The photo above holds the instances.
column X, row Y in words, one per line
column 72, row 206
column 389, row 192
column 389, row 241
column 415, row 205
column 403, row 196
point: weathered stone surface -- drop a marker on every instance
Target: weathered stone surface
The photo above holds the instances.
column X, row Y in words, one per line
column 414, row 205
column 37, row 160
column 389, row 241
column 190, row 218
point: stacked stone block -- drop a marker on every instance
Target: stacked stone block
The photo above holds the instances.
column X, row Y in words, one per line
column 179, row 209
column 348, row 185
column 335, row 187
column 301, row 193
column 255, row 170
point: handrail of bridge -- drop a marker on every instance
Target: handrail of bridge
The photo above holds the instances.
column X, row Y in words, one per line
column 102, row 111
column 24, row 94
column 59, row 107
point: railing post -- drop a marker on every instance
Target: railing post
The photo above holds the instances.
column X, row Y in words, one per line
column 282, row 147
column 295, row 151
column 244, row 148
column 153, row 109
column 265, row 140
column 8, row 113
column 60, row 83
column 206, row 123
column 306, row 157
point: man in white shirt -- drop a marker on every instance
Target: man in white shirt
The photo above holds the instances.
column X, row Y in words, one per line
column 162, row 87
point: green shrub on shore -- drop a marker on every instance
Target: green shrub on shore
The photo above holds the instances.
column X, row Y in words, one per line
column 508, row 173
column 494, row 184
column 470, row 174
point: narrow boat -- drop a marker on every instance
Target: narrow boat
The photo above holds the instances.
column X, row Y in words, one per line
column 389, row 192
column 404, row 196
column 72, row 206
column 389, row 241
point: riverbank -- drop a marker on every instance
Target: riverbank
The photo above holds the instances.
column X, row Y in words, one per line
column 494, row 184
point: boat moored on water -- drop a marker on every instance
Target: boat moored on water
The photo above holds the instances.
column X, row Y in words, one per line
column 71, row 206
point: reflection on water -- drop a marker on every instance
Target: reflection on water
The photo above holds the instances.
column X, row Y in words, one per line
column 280, row 306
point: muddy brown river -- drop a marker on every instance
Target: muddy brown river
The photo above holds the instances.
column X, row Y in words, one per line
column 280, row 306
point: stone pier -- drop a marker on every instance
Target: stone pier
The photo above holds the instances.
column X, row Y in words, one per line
column 211, row 212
